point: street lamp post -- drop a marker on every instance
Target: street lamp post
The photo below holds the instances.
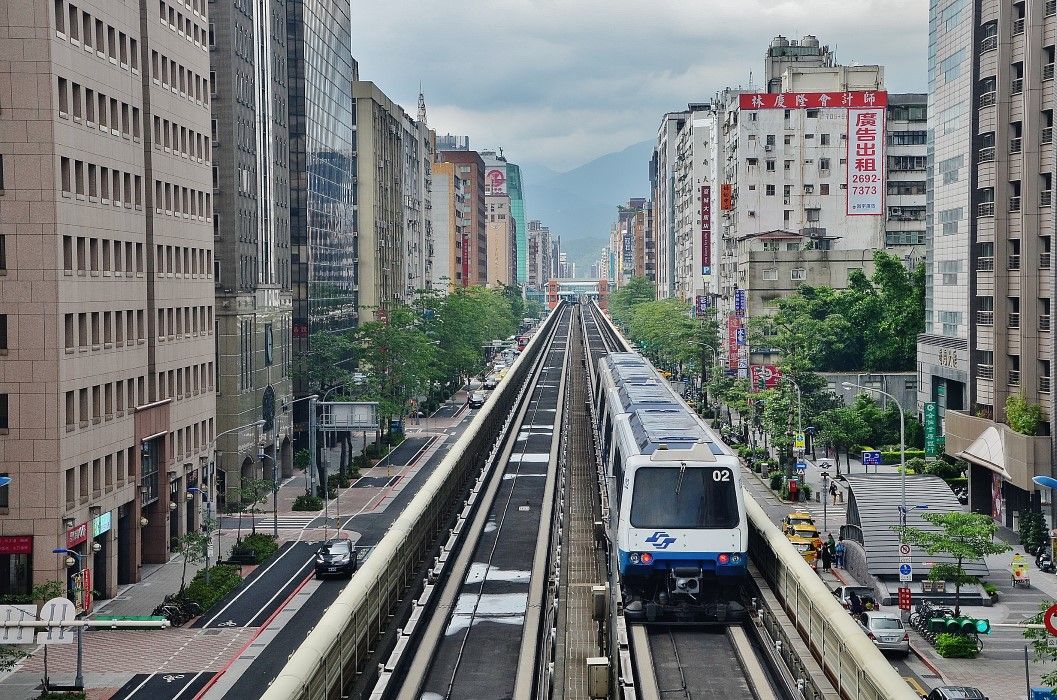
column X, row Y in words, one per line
column 902, row 456
column 211, row 508
column 73, row 557
column 275, row 494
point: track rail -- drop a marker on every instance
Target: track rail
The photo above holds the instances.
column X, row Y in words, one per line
column 484, row 638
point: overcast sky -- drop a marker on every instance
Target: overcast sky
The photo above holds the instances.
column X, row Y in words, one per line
column 560, row 82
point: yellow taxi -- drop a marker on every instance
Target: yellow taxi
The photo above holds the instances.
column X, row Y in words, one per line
column 804, row 545
column 797, row 517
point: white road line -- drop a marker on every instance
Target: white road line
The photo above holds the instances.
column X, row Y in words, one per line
column 278, row 591
column 255, row 581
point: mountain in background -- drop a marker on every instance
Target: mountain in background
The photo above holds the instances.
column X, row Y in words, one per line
column 580, row 205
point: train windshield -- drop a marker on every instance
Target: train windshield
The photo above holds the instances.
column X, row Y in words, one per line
column 697, row 498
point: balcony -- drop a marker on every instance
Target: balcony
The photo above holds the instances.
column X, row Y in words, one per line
column 1044, row 322
column 1044, row 261
column 1018, row 26
column 1016, row 86
column 985, row 318
column 1014, row 320
column 985, row 263
column 987, row 99
column 986, row 154
column 985, row 371
column 986, row 442
column 1047, row 71
column 1014, row 262
column 988, row 43
column 1014, row 377
column 985, row 209
column 1044, row 385
column 1014, row 145
column 1014, row 204
column 1050, row 8
column 1046, row 198
column 1047, row 134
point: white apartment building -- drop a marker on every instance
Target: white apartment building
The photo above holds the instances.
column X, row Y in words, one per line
column 695, row 191
column 662, row 182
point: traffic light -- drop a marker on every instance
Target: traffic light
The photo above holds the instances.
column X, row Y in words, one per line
column 960, row 625
column 976, row 624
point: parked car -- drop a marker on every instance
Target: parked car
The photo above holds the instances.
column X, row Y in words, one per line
column 491, row 382
column 956, row 692
column 797, row 517
column 886, row 631
column 336, row 558
column 477, row 399
column 843, row 594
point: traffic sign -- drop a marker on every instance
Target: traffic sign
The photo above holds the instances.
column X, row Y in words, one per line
column 872, row 457
column 17, row 613
column 801, row 466
column 1049, row 619
column 906, row 572
column 904, row 598
column 798, row 441
column 904, row 553
column 57, row 610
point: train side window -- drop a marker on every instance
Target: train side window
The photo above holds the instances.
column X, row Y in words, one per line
column 618, row 471
column 606, row 437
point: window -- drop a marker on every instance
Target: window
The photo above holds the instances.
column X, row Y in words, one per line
column 4, row 423
column 824, row 139
column 798, row 274
column 823, row 164
column 812, row 114
column 770, row 190
column 770, row 274
column 823, row 188
column 770, row 166
column 686, row 499
column 3, row 333
column 3, row 254
column 908, row 138
column 813, row 215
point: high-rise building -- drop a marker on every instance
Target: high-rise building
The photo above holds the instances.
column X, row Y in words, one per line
column 628, row 236
column 321, row 72
column 662, row 187
column 251, row 225
column 516, row 191
column 471, row 170
column 539, row 255
column 695, row 189
column 419, row 201
column 107, row 389
column 449, row 227
column 989, row 239
column 905, row 130
column 502, row 240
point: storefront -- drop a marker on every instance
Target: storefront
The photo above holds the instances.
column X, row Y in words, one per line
column 16, row 564
column 101, row 527
column 79, row 578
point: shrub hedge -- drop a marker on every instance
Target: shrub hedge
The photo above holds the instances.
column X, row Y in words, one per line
column 222, row 579
column 259, row 544
column 956, row 646
column 307, row 502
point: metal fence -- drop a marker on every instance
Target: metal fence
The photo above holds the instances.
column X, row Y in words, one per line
column 342, row 643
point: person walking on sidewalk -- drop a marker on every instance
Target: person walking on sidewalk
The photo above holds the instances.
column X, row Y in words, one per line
column 827, row 557
column 831, row 544
column 840, row 551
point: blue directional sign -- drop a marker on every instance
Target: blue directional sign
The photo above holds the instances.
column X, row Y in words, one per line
column 801, row 466
column 905, row 569
column 873, row 457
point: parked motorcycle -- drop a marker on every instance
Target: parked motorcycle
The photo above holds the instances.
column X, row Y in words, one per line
column 963, row 496
column 1045, row 563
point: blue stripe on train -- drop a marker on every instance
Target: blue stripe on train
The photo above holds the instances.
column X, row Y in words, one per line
column 707, row 561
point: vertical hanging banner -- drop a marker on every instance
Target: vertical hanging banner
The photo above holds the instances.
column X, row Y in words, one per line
column 733, row 324
column 740, row 302
column 866, row 161
column 706, row 229
column 726, row 196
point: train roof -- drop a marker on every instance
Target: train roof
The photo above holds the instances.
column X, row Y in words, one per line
column 648, row 394
column 673, row 427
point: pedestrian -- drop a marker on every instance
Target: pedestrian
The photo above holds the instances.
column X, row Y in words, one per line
column 831, row 544
column 827, row 558
column 840, row 551
column 856, row 603
column 833, row 493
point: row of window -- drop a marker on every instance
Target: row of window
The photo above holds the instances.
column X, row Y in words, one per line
column 182, row 24
column 824, row 164
column 904, row 238
column 91, row 108
column 180, row 201
column 179, row 80
column 91, row 479
column 93, row 33
column 95, row 255
column 771, row 139
column 823, row 189
column 103, row 402
column 182, row 261
column 184, row 321
column 100, row 184
column 185, row 382
column 902, row 163
column 180, row 140
column 104, row 329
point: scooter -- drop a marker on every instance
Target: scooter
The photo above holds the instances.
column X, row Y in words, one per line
column 1045, row 563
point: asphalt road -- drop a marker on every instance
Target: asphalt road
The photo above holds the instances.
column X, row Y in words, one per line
column 371, row 527
column 167, row 685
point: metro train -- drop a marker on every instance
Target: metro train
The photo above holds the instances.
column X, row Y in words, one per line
column 677, row 512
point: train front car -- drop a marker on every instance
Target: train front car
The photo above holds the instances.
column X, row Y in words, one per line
column 681, row 533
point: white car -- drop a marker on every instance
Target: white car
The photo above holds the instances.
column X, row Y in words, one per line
column 886, row 631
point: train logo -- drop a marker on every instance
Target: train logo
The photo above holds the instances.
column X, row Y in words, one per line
column 661, row 539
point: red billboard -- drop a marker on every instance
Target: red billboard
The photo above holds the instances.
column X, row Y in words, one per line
column 860, row 99
column 733, row 323
column 706, row 229
column 770, row 375
column 16, row 544
column 726, row 196
column 76, row 535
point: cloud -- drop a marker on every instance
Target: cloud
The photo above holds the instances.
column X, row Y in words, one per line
column 559, row 82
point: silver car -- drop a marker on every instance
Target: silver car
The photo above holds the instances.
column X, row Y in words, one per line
column 886, row 630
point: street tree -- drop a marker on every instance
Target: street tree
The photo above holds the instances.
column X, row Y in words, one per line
column 1042, row 644
column 841, row 428
column 962, row 536
column 637, row 291
column 254, row 492
column 193, row 546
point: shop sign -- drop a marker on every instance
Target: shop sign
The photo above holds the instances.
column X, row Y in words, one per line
column 101, row 524
column 76, row 535
column 16, row 544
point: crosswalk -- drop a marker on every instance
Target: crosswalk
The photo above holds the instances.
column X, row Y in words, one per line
column 289, row 522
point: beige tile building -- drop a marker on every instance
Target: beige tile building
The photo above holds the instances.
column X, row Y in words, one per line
column 106, row 283
column 501, row 234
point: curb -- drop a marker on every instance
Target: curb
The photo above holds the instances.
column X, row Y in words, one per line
column 928, row 664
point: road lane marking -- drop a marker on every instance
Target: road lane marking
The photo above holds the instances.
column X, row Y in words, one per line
column 259, row 578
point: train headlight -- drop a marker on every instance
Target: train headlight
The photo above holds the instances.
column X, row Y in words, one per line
column 724, row 558
column 735, row 558
column 647, row 558
column 634, row 558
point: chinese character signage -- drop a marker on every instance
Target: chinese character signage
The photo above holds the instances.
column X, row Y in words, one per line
column 733, row 324
column 726, row 196
column 703, row 304
column 741, row 336
column 932, row 443
column 739, row 302
column 495, row 181
column 706, row 230
column 16, row 544
column 866, row 163
column 813, row 100
column 76, row 535
column 767, row 376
